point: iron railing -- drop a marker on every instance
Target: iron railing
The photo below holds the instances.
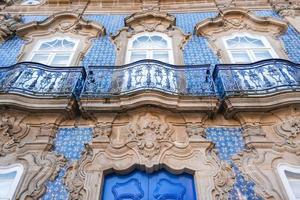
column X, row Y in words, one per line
column 36, row 79
column 257, row 79
column 149, row 75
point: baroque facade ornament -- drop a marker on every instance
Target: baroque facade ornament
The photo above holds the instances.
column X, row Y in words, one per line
column 289, row 131
column 149, row 132
column 195, row 131
column 102, row 131
column 8, row 25
column 286, row 7
column 11, row 132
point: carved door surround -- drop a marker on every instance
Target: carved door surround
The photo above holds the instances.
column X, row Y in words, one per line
column 150, row 21
column 60, row 25
column 238, row 20
column 148, row 139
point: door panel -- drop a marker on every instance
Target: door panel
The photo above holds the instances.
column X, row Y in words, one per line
column 138, row 185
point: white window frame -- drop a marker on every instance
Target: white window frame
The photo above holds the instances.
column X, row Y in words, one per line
column 52, row 54
column 249, row 51
column 13, row 168
column 150, row 51
column 282, row 168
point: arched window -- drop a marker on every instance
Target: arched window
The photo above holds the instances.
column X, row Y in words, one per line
column 30, row 2
column 155, row 46
column 290, row 176
column 246, row 48
column 58, row 51
column 9, row 179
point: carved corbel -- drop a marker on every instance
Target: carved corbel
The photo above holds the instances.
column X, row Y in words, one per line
column 75, row 176
column 102, row 131
column 195, row 131
column 286, row 8
column 253, row 134
column 12, row 130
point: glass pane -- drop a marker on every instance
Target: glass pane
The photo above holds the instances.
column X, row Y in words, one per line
column 40, row 58
column 294, row 181
column 138, row 55
column 150, row 42
column 6, row 181
column 244, row 42
column 161, row 56
column 142, row 42
column 240, row 57
column 61, row 60
column 262, row 54
column 158, row 42
column 57, row 44
column 30, row 2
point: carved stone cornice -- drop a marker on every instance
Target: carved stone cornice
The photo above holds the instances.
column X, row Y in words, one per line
column 62, row 22
column 8, row 25
column 238, row 19
column 286, row 8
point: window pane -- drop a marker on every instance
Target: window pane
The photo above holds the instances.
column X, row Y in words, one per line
column 61, row 59
column 294, row 181
column 161, row 56
column 57, row 45
column 262, row 54
column 244, row 42
column 150, row 42
column 138, row 55
column 40, row 58
column 158, row 42
column 6, row 183
column 240, row 56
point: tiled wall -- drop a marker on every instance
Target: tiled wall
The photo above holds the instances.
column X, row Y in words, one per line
column 228, row 142
column 70, row 143
column 196, row 51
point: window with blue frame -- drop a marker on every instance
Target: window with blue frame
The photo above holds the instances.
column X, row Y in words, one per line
column 138, row 185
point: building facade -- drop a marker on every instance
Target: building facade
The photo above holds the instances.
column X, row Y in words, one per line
column 150, row 99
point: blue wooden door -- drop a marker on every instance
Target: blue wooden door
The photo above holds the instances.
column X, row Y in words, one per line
column 139, row 185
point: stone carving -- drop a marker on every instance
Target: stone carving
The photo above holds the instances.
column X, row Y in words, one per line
column 11, row 132
column 224, row 178
column 49, row 164
column 149, row 132
column 289, row 130
column 195, row 130
column 75, row 176
column 102, row 131
column 286, row 7
column 236, row 18
column 8, row 25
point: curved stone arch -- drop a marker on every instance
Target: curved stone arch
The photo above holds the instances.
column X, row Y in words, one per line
column 60, row 25
column 150, row 21
column 237, row 20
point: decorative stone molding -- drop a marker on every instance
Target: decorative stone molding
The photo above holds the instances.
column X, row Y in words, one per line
column 75, row 177
column 149, row 132
column 48, row 164
column 150, row 21
column 237, row 20
column 8, row 25
column 61, row 24
column 102, row 131
column 11, row 132
column 195, row 131
column 224, row 179
column 286, row 8
column 289, row 131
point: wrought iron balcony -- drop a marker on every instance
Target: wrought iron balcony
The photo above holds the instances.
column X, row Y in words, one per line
column 257, row 79
column 33, row 79
column 149, row 75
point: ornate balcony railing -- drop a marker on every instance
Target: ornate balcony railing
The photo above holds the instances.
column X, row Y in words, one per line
column 149, row 75
column 260, row 78
column 35, row 79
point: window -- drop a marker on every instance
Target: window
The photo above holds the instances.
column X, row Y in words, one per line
column 30, row 2
column 246, row 48
column 55, row 51
column 9, row 179
column 290, row 176
column 155, row 46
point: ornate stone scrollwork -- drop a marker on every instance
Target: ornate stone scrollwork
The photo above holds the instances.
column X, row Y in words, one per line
column 286, row 7
column 8, row 25
column 224, row 179
column 102, row 131
column 289, row 131
column 75, row 176
column 11, row 132
column 195, row 131
column 149, row 132
column 49, row 165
